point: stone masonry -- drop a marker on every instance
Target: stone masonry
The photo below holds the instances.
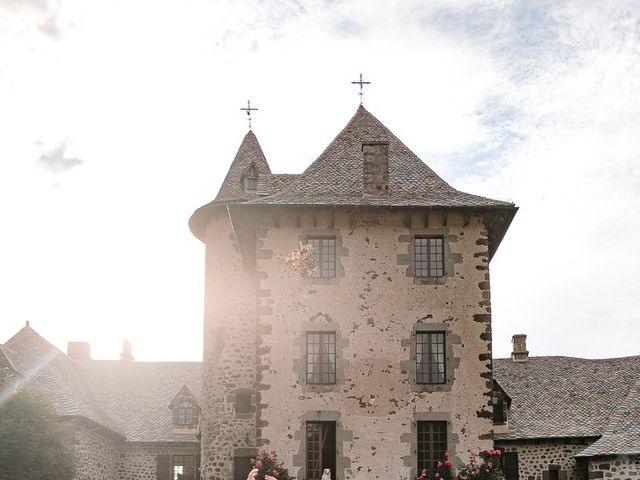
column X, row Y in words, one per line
column 375, row 309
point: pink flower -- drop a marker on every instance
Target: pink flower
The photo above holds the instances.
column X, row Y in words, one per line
column 258, row 464
column 446, row 453
column 439, row 464
column 448, row 463
column 437, row 475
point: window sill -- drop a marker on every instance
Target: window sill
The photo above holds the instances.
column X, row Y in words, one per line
column 430, row 280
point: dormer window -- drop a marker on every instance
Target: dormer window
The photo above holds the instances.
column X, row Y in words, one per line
column 185, row 410
column 250, row 179
column 500, row 402
column 185, row 414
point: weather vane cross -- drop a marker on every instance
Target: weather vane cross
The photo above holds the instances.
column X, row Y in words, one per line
column 361, row 83
column 249, row 109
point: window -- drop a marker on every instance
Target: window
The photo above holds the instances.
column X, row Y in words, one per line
column 185, row 414
column 430, row 357
column 321, row 358
column 251, row 179
column 510, row 465
column 324, row 256
column 241, row 467
column 499, row 410
column 243, row 403
column 428, row 256
column 432, row 443
column 183, row 467
column 321, row 449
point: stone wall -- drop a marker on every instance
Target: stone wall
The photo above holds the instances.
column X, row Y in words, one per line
column 615, row 468
column 95, row 454
column 375, row 306
column 229, row 366
column 536, row 456
column 138, row 461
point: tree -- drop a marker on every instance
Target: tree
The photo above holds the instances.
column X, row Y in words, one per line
column 33, row 440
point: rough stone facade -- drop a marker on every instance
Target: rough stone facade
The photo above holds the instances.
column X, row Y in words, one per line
column 140, row 461
column 375, row 305
column 96, row 452
column 615, row 468
column 537, row 457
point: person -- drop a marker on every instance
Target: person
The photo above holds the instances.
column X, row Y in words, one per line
column 254, row 473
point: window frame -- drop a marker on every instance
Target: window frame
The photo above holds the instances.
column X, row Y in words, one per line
column 430, row 450
column 423, row 261
column 181, row 416
column 431, row 356
column 319, row 256
column 316, row 450
column 250, row 179
column 189, row 464
column 331, row 375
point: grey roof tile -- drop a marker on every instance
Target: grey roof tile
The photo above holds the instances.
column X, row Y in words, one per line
column 50, row 373
column 137, row 395
column 335, row 178
column 250, row 152
column 554, row 397
column 622, row 435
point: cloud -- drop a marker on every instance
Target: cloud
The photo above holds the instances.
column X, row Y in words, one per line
column 56, row 160
column 44, row 15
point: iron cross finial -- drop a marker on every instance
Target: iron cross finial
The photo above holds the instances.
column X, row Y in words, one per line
column 249, row 109
column 361, row 83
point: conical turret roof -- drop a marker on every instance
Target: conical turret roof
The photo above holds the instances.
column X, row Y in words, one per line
column 249, row 153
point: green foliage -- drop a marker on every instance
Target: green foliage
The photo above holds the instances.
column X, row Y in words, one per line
column 268, row 464
column 32, row 439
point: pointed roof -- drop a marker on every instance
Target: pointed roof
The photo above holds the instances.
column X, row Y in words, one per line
column 335, row 178
column 249, row 153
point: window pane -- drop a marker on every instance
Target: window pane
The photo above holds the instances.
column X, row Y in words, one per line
column 431, row 443
column 321, row 358
column 324, row 256
column 430, row 357
column 428, row 256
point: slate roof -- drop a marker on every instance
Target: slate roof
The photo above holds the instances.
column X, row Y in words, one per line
column 275, row 182
column 50, row 373
column 622, row 435
column 131, row 399
column 250, row 152
column 137, row 395
column 559, row 397
column 335, row 178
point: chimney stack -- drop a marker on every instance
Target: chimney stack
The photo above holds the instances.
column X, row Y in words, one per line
column 126, row 351
column 520, row 352
column 79, row 350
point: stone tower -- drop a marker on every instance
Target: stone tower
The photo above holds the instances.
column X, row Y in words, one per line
column 377, row 358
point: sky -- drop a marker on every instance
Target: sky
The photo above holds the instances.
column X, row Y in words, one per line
column 118, row 119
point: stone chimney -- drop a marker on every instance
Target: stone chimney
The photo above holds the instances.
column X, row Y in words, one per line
column 126, row 354
column 79, row 350
column 520, row 352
